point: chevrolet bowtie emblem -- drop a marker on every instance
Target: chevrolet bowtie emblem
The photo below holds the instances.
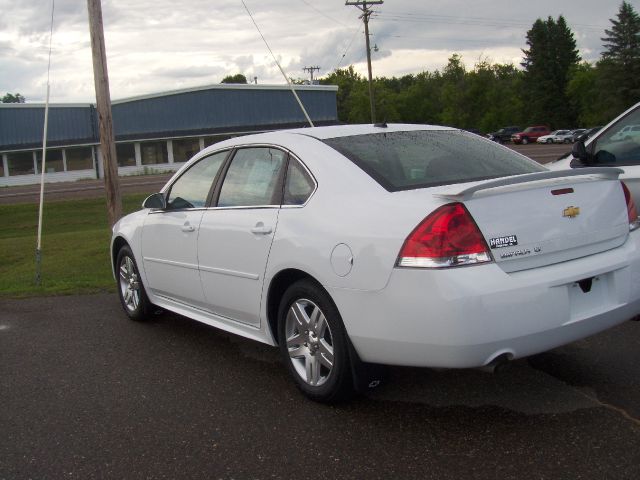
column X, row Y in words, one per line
column 571, row 212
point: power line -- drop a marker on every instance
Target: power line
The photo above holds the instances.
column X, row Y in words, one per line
column 451, row 19
column 324, row 14
column 293, row 91
column 355, row 33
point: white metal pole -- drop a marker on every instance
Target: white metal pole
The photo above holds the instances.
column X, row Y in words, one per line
column 44, row 160
column 44, row 163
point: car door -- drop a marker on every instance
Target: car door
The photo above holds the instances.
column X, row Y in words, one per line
column 236, row 234
column 170, row 235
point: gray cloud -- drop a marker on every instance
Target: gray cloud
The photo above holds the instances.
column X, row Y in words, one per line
column 155, row 45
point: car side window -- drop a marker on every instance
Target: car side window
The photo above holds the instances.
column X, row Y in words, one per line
column 192, row 188
column 253, row 178
column 298, row 186
column 620, row 143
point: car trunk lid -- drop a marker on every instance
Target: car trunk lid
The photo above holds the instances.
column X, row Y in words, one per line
column 539, row 219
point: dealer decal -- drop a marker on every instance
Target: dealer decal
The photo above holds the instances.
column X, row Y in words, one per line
column 502, row 242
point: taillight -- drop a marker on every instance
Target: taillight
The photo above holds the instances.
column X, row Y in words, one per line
column 448, row 237
column 632, row 211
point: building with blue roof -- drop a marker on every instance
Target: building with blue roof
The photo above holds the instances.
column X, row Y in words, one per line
column 154, row 133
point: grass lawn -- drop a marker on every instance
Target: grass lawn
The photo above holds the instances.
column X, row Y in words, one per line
column 75, row 247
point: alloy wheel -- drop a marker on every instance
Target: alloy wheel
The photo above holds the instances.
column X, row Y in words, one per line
column 129, row 284
column 309, row 342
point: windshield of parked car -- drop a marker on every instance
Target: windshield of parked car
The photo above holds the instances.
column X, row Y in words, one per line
column 423, row 158
column 620, row 143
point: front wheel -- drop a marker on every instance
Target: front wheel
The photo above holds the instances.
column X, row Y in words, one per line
column 549, row 140
column 132, row 295
column 525, row 140
column 313, row 343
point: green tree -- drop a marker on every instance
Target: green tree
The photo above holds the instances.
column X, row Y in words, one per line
column 547, row 63
column 386, row 98
column 421, row 101
column 237, row 78
column 347, row 80
column 620, row 62
column 501, row 94
column 583, row 95
column 455, row 111
column 10, row 98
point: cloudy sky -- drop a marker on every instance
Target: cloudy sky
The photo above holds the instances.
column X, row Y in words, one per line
column 161, row 45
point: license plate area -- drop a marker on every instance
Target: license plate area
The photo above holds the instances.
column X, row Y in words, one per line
column 591, row 296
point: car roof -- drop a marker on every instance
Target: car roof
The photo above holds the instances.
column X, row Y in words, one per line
column 322, row 133
column 317, row 133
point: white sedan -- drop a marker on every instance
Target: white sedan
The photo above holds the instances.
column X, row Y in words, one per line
column 399, row 244
column 556, row 136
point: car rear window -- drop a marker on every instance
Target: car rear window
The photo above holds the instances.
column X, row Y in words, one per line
column 427, row 158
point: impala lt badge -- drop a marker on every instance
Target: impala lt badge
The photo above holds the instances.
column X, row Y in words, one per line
column 571, row 212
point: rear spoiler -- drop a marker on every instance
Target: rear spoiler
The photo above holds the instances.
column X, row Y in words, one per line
column 605, row 173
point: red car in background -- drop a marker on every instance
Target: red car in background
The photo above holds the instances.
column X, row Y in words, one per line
column 530, row 134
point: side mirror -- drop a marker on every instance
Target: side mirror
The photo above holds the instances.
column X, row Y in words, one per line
column 155, row 201
column 580, row 154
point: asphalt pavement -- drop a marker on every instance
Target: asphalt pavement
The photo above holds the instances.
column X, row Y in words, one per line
column 85, row 393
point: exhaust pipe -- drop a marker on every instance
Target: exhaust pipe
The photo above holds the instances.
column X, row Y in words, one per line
column 498, row 364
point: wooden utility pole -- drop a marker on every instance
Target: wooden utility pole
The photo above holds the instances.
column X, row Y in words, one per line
column 103, row 106
column 366, row 13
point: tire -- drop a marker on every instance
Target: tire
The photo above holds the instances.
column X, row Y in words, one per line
column 549, row 140
column 133, row 296
column 567, row 140
column 525, row 140
column 314, row 344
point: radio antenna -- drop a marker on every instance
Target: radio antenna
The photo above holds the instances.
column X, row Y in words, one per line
column 279, row 66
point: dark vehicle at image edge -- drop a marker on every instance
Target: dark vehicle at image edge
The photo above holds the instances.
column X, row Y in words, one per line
column 503, row 135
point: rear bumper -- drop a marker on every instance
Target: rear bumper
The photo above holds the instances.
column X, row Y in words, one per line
column 466, row 317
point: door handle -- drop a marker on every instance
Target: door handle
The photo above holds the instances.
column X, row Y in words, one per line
column 187, row 227
column 261, row 229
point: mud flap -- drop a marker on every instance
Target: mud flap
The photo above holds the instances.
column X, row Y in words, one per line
column 366, row 376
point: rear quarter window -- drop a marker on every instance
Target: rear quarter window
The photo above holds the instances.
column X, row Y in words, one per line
column 423, row 158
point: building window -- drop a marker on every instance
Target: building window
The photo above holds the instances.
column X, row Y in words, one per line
column 185, row 148
column 80, row 158
column 154, row 152
column 20, row 163
column 126, row 153
column 218, row 138
column 54, row 161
